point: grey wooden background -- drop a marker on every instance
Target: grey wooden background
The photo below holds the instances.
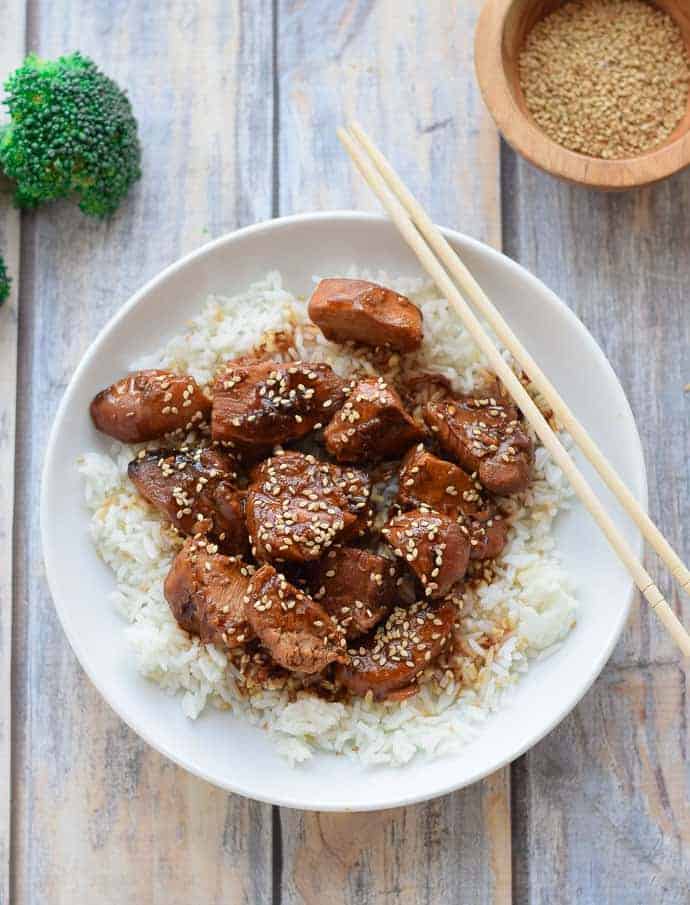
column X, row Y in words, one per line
column 238, row 101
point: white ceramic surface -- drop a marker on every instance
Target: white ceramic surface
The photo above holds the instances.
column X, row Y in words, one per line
column 221, row 748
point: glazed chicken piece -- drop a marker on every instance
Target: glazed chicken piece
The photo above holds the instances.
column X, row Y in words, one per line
column 265, row 403
column 371, row 425
column 148, row 405
column 389, row 661
column 297, row 631
column 297, row 507
column 356, row 587
column 433, row 545
column 195, row 488
column 365, row 313
column 426, row 480
column 205, row 591
column 485, row 435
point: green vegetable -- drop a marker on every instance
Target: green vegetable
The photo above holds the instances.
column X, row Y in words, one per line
column 72, row 135
column 5, row 282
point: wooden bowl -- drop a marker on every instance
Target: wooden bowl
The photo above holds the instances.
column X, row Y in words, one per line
column 501, row 32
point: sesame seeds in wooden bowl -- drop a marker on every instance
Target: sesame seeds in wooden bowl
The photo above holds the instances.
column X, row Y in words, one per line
column 593, row 91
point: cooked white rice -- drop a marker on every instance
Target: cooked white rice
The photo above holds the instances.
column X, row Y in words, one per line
column 525, row 612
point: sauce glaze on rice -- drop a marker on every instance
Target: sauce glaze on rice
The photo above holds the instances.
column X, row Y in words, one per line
column 522, row 614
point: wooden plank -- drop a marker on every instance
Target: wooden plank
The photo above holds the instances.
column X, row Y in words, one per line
column 11, row 53
column 405, row 70
column 99, row 816
column 601, row 804
column 450, row 850
column 606, row 797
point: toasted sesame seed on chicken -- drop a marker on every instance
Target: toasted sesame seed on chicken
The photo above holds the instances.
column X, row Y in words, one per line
column 405, row 645
column 433, row 545
column 264, row 403
column 356, row 587
column 285, row 564
column 297, row 631
column 149, row 405
column 371, row 425
column 297, row 507
column 205, row 591
column 195, row 487
column 426, row 480
column 485, row 434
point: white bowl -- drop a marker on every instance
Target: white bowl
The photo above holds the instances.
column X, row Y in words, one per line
column 223, row 749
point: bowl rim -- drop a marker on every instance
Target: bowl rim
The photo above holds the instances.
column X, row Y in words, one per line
column 405, row 798
column 536, row 146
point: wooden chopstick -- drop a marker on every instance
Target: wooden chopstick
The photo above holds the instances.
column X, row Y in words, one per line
column 476, row 295
column 386, row 194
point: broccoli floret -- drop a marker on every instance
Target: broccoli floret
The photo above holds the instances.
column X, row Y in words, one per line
column 72, row 134
column 5, row 282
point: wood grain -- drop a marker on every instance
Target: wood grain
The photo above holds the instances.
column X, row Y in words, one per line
column 617, row 770
column 11, row 52
column 98, row 816
column 402, row 70
column 600, row 807
column 451, row 850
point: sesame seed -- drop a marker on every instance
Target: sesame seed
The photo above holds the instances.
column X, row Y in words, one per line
column 607, row 78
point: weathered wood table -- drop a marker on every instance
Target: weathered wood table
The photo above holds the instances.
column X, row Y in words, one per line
column 238, row 104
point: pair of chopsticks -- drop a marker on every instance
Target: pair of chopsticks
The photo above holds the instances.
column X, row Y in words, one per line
column 456, row 284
